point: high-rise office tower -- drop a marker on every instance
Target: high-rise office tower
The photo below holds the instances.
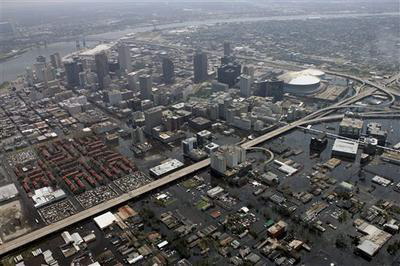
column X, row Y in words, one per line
column 248, row 70
column 138, row 135
column 228, row 73
column 153, row 118
column 132, row 81
column 245, row 85
column 145, row 86
column 72, row 70
column 101, row 62
column 227, row 60
column 275, row 89
column 168, row 70
column 227, row 157
column 29, row 76
column 39, row 70
column 189, row 144
column 55, row 60
column 82, row 79
column 227, row 49
column 200, row 66
column 260, row 88
column 124, row 58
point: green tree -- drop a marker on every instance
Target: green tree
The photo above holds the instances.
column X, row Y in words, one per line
column 343, row 217
column 182, row 248
column 341, row 242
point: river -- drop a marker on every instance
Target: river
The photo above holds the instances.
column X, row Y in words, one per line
column 10, row 69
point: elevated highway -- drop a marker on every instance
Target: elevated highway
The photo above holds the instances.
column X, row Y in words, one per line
column 390, row 92
column 315, row 117
column 55, row 227
column 267, row 151
column 58, row 226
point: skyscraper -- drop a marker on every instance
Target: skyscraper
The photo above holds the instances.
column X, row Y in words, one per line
column 227, row 157
column 72, row 70
column 200, row 66
column 260, row 88
column 39, row 70
column 245, row 85
column 82, row 79
column 101, row 67
column 168, row 70
column 248, row 70
column 227, row 49
column 189, row 144
column 153, row 118
column 29, row 76
column 275, row 89
column 124, row 58
column 55, row 60
column 228, row 73
column 145, row 86
column 132, row 81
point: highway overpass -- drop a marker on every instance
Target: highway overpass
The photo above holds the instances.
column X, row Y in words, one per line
column 58, row 226
column 55, row 227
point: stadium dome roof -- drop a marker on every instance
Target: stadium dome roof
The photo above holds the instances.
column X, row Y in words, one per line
column 304, row 80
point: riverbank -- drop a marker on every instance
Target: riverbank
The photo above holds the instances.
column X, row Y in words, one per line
column 11, row 55
column 10, row 69
column 5, row 85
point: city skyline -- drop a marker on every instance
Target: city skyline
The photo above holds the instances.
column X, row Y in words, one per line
column 199, row 133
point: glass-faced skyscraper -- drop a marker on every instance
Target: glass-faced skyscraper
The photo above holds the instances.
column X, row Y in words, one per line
column 124, row 58
column 101, row 67
column 200, row 66
column 168, row 70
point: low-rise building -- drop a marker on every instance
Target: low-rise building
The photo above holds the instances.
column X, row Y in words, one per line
column 278, row 229
column 351, row 127
column 105, row 220
column 373, row 239
column 345, row 148
column 166, row 167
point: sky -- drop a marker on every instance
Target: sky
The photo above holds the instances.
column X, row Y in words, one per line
column 147, row 1
column 19, row 3
column 142, row 1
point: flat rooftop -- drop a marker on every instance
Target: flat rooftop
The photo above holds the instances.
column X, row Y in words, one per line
column 352, row 122
column 8, row 191
column 200, row 120
column 166, row 167
column 345, row 146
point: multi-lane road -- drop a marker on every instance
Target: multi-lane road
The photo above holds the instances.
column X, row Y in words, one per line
column 52, row 228
column 58, row 226
column 291, row 66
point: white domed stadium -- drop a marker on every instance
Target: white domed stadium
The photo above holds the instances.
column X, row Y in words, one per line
column 303, row 82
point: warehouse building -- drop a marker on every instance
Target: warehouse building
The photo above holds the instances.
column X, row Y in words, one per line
column 166, row 168
column 345, row 148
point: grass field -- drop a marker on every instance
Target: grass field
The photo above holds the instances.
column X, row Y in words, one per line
column 191, row 183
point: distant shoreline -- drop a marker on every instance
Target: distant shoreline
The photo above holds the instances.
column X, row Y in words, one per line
column 13, row 55
column 117, row 34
